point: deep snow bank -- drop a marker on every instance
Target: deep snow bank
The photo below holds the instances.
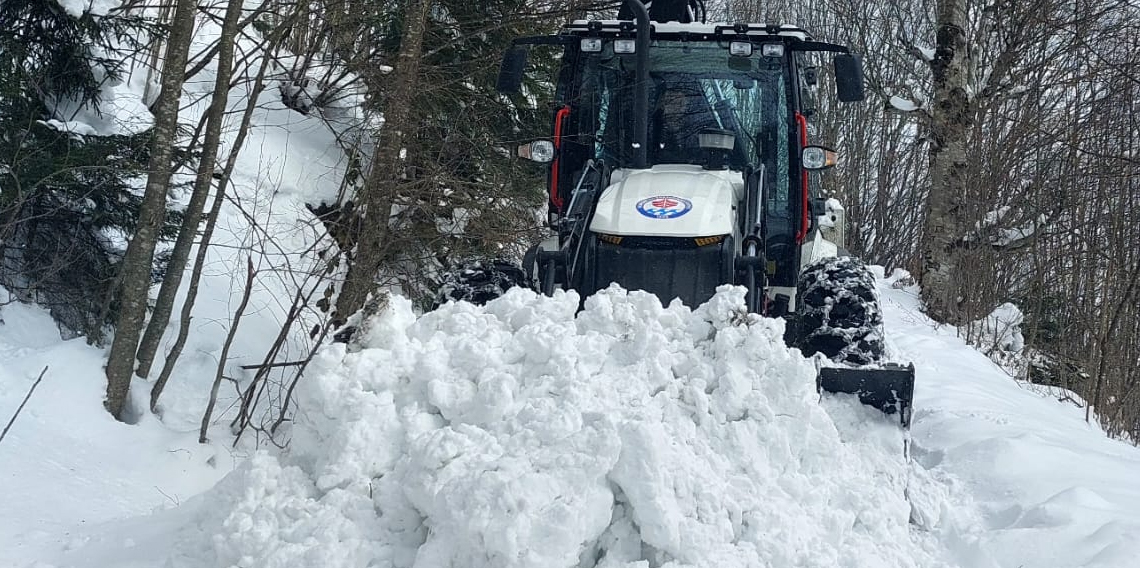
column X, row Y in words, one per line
column 1036, row 484
column 520, row 435
column 66, row 465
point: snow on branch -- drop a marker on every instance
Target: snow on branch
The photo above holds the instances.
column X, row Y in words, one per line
column 990, row 230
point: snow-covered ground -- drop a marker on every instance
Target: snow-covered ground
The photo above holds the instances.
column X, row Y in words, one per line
column 521, row 435
column 66, row 464
column 1032, row 483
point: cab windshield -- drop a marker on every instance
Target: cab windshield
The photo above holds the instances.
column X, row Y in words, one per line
column 695, row 85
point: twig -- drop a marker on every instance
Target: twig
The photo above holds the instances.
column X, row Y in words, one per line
column 296, row 378
column 250, row 274
column 26, row 397
column 172, row 499
column 272, row 365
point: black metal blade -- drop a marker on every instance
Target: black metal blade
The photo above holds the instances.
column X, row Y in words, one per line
column 889, row 388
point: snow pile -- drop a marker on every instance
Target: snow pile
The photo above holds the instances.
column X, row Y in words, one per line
column 78, row 8
column 122, row 111
column 517, row 434
column 999, row 336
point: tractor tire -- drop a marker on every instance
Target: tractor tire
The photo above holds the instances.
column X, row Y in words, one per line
column 479, row 282
column 838, row 313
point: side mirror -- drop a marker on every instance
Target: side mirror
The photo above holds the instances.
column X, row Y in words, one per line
column 512, row 68
column 849, row 77
column 541, row 151
column 818, row 158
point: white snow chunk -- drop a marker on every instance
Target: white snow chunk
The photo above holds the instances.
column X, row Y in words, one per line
column 77, row 8
column 1000, row 236
column 121, row 112
column 999, row 336
column 71, row 127
column 993, row 217
column 832, row 207
column 905, row 105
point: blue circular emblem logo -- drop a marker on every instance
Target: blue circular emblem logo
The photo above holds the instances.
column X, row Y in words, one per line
column 664, row 207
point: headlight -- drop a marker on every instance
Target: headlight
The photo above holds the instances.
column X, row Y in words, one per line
column 716, row 139
column 772, row 50
column 818, row 158
column 541, row 151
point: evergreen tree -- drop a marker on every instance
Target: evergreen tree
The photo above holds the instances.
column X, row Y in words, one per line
column 475, row 198
column 67, row 192
column 460, row 192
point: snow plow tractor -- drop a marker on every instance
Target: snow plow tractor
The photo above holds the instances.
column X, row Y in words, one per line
column 679, row 161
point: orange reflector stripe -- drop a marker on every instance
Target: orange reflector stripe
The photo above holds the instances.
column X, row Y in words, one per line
column 705, row 241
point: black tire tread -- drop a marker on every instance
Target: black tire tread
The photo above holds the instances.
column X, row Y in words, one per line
column 839, row 313
column 479, row 281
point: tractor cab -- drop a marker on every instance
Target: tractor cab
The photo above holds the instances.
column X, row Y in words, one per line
column 678, row 148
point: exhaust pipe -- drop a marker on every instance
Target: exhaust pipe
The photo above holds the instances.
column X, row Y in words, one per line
column 641, row 87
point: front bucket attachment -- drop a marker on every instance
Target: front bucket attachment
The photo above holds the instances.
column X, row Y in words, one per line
column 889, row 388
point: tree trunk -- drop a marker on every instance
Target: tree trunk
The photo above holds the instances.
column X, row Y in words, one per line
column 951, row 119
column 193, row 215
column 388, row 173
column 211, row 221
column 136, row 265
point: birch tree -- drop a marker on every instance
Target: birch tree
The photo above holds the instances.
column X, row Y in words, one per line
column 135, row 269
column 164, row 305
column 951, row 119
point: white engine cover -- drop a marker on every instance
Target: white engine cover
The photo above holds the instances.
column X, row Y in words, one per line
column 670, row 200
